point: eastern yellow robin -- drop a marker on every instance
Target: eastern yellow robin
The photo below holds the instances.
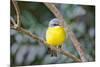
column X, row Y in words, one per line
column 55, row 35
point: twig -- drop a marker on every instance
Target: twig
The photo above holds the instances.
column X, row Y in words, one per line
column 76, row 43
column 13, row 25
column 13, row 21
column 17, row 12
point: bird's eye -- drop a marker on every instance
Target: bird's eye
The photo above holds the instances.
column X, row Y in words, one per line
column 55, row 24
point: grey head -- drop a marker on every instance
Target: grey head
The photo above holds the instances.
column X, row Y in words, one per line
column 54, row 22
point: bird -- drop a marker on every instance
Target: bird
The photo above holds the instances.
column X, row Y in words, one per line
column 55, row 35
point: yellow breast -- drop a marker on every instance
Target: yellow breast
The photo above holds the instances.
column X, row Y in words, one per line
column 55, row 36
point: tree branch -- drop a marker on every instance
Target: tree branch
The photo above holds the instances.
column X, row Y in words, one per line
column 17, row 11
column 66, row 53
column 72, row 36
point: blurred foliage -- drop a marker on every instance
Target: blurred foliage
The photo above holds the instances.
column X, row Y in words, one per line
column 35, row 16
